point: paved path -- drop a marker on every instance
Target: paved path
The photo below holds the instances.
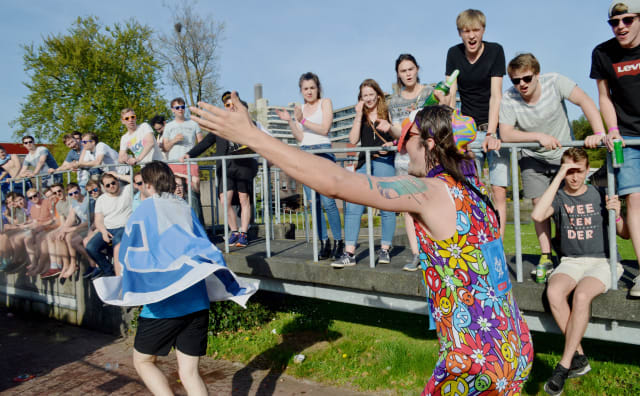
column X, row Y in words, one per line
column 68, row 360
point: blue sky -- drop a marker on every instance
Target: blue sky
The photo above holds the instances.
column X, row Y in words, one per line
column 344, row 42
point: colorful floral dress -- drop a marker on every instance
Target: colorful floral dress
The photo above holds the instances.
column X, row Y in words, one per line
column 485, row 345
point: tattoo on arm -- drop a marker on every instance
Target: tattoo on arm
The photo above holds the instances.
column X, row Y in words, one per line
column 399, row 187
column 370, row 184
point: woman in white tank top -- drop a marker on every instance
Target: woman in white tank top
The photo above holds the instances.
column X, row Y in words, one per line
column 310, row 126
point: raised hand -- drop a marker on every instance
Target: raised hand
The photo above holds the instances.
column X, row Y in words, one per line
column 284, row 115
column 233, row 126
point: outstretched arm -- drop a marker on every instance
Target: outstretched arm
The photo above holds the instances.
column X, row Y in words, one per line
column 427, row 198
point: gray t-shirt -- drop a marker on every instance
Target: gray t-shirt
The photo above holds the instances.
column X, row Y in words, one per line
column 189, row 129
column 32, row 160
column 580, row 223
column 548, row 115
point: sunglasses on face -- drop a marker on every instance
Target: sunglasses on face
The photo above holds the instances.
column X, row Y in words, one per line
column 138, row 183
column 76, row 192
column 526, row 79
column 28, row 142
column 107, row 185
column 127, row 118
column 57, row 192
column 180, row 107
column 626, row 21
column 87, row 141
column 95, row 190
column 34, row 196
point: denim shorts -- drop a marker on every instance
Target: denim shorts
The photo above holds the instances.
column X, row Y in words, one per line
column 627, row 179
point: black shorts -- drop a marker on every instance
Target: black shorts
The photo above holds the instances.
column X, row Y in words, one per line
column 188, row 334
column 239, row 185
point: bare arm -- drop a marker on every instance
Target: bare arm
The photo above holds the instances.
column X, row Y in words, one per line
column 40, row 164
column 509, row 134
column 608, row 112
column 293, row 124
column 148, row 141
column 354, row 134
column 543, row 209
column 427, row 198
column 580, row 98
column 89, row 164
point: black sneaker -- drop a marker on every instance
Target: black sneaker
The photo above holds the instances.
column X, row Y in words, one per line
column 346, row 260
column 325, row 250
column 338, row 249
column 579, row 366
column 555, row 384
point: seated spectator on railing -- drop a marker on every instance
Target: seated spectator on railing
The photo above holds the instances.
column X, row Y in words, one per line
column 93, row 192
column 74, row 228
column 58, row 252
column 158, row 123
column 139, row 140
column 240, row 174
column 97, row 153
column 113, row 209
column 9, row 168
column 14, row 216
column 371, row 128
column 71, row 161
column 580, row 215
column 534, row 110
column 35, row 241
column 40, row 160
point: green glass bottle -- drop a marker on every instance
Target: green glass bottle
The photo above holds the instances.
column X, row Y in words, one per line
column 444, row 87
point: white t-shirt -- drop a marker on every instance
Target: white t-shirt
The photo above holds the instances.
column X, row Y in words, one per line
column 189, row 129
column 31, row 159
column 548, row 115
column 115, row 209
column 134, row 142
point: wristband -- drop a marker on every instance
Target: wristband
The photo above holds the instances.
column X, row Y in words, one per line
column 600, row 133
column 614, row 128
column 303, row 121
column 618, row 219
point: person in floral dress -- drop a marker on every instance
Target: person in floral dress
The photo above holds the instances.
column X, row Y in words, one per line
column 485, row 343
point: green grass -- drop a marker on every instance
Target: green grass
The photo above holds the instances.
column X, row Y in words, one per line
column 376, row 350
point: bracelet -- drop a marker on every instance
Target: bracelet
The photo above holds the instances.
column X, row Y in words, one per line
column 614, row 128
column 618, row 219
column 303, row 121
column 600, row 133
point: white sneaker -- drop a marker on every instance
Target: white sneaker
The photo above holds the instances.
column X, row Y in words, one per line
column 635, row 290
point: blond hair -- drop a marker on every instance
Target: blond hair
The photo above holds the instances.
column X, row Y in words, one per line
column 470, row 18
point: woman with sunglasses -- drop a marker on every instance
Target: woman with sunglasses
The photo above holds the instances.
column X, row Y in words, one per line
column 93, row 192
column 371, row 128
column 310, row 125
column 410, row 96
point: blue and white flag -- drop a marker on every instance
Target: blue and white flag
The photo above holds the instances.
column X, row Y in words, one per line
column 165, row 250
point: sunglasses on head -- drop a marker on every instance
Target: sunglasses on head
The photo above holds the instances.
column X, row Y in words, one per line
column 95, row 190
column 526, row 79
column 626, row 21
column 32, row 196
column 28, row 142
column 87, row 141
column 75, row 192
column 179, row 107
column 131, row 117
column 107, row 185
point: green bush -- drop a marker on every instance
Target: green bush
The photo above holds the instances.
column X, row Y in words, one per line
column 229, row 316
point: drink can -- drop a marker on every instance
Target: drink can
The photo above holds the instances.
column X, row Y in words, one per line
column 618, row 155
column 541, row 274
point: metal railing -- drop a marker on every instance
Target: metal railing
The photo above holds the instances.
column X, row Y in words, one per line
column 270, row 199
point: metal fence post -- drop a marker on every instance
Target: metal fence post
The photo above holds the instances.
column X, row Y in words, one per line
column 372, row 250
column 613, row 247
column 265, row 208
column 516, row 212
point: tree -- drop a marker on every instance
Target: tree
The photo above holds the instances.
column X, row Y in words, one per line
column 582, row 129
column 189, row 52
column 83, row 79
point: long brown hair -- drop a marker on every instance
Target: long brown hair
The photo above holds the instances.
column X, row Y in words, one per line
column 435, row 123
column 381, row 108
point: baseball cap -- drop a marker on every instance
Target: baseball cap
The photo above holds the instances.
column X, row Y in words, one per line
column 633, row 6
column 464, row 130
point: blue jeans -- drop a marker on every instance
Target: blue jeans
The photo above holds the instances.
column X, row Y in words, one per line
column 380, row 167
column 97, row 244
column 329, row 204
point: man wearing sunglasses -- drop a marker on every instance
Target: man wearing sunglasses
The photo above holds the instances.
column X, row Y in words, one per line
column 180, row 136
column 139, row 140
column 534, row 111
column 97, row 153
column 615, row 66
column 112, row 211
column 40, row 159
